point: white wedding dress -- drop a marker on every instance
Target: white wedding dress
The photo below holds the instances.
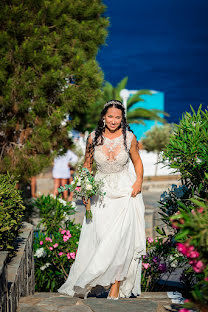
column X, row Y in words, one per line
column 111, row 245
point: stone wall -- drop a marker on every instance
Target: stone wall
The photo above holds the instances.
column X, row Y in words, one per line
column 20, row 270
column 3, row 281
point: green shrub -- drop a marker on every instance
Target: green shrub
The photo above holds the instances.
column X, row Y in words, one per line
column 55, row 243
column 187, row 153
column 11, row 211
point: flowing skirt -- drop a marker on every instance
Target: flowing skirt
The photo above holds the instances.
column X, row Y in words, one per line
column 111, row 245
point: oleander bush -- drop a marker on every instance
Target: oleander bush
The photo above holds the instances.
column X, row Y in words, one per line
column 55, row 242
column 11, row 211
column 192, row 242
column 162, row 258
column 184, row 208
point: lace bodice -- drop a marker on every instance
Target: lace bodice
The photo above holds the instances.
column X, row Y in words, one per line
column 112, row 156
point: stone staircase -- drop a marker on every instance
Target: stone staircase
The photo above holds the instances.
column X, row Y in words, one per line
column 54, row 302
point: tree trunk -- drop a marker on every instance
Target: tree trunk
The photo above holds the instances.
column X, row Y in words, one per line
column 156, row 164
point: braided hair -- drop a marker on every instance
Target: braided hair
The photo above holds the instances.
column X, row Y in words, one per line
column 98, row 138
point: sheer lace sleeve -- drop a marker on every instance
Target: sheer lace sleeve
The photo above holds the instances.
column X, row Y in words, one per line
column 89, row 152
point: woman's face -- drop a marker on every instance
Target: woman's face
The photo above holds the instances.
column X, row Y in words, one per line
column 113, row 118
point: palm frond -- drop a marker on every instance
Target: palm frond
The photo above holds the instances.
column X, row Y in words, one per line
column 160, row 112
column 135, row 98
column 136, row 121
column 121, row 85
column 107, row 92
column 146, row 114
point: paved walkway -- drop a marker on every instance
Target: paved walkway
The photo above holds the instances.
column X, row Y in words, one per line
column 54, row 302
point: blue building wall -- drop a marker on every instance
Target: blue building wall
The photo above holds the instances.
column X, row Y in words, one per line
column 156, row 101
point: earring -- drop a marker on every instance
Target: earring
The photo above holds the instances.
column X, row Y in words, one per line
column 103, row 123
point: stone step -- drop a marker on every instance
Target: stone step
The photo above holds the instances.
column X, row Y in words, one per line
column 54, row 302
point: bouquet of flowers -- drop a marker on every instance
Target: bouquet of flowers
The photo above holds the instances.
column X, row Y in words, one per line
column 84, row 187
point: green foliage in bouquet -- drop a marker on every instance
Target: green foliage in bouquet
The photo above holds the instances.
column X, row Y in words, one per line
column 55, row 243
column 48, row 73
column 11, row 211
column 84, row 185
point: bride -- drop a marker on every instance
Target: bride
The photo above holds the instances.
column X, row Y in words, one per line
column 111, row 245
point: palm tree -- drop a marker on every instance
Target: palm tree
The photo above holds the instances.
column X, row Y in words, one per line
column 137, row 115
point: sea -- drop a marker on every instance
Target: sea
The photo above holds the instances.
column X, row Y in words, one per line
column 160, row 45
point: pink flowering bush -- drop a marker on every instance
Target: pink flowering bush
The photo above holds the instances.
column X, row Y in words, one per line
column 183, row 208
column 162, row 258
column 55, row 244
column 192, row 242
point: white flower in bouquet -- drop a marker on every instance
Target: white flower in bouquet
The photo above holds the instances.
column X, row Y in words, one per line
column 40, row 252
column 85, row 186
column 88, row 187
column 79, row 182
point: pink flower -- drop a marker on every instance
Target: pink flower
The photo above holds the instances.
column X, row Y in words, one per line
column 48, row 239
column 194, row 254
column 68, row 256
column 206, row 279
column 198, row 266
column 186, row 300
column 200, row 210
column 156, row 240
column 55, row 245
column 181, row 248
column 184, row 310
column 189, row 249
column 68, row 233
column 60, row 253
column 146, row 265
column 51, row 248
column 41, row 242
column 150, row 240
column 65, row 238
column 72, row 255
column 63, row 231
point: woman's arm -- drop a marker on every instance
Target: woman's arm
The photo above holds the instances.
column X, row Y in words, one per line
column 138, row 166
column 88, row 154
column 88, row 163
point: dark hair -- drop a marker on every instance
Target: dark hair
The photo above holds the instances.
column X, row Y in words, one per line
column 98, row 138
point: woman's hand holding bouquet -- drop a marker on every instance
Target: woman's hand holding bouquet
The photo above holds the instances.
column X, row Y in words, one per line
column 84, row 187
